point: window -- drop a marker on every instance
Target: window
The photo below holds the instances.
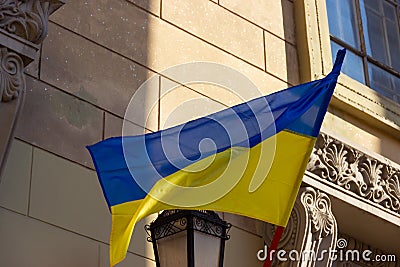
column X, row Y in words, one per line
column 370, row 31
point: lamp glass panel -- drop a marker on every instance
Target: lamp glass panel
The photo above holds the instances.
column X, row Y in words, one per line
column 206, row 250
column 172, row 250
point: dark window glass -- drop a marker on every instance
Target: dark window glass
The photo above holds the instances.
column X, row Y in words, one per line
column 373, row 23
column 352, row 65
column 343, row 22
column 381, row 31
column 370, row 31
column 384, row 82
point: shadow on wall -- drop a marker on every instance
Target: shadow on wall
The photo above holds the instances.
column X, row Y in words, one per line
column 92, row 62
column 291, row 51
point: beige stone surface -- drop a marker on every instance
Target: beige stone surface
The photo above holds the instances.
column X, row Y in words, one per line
column 130, row 260
column 245, row 223
column 281, row 59
column 15, row 181
column 308, row 39
column 33, row 67
column 139, row 244
column 26, row 242
column 58, row 122
column 91, row 72
column 354, row 97
column 150, row 41
column 227, row 96
column 167, row 40
column 153, row 6
column 361, row 134
column 276, row 17
column 180, row 104
column 217, row 26
column 118, row 25
column 216, row 81
column 113, row 126
column 69, row 196
column 241, row 249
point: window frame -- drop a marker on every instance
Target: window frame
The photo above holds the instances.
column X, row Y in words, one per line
column 315, row 58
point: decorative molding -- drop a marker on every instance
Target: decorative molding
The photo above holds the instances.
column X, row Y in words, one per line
column 23, row 26
column 27, row 19
column 318, row 206
column 354, row 171
column 12, row 86
column 12, row 79
column 311, row 230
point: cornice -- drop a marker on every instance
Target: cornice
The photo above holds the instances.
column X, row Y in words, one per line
column 373, row 179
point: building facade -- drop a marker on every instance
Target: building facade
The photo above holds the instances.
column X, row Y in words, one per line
column 70, row 69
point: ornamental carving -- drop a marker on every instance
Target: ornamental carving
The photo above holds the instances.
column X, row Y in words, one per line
column 23, row 26
column 353, row 170
column 27, row 18
column 310, row 232
column 318, row 206
column 12, row 79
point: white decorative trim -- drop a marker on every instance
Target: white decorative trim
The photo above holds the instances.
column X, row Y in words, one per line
column 370, row 178
column 311, row 230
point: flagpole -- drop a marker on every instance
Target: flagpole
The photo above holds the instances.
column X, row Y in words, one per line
column 274, row 245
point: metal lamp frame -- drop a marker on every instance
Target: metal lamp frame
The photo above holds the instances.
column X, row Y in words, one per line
column 171, row 222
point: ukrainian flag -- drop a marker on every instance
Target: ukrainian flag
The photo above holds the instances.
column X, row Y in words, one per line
column 248, row 159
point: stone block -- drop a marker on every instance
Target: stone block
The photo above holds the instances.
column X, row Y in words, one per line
column 241, row 249
column 113, row 126
column 130, row 260
column 281, row 59
column 276, row 17
column 139, row 244
column 15, row 181
column 33, row 67
column 26, row 242
column 150, row 41
column 69, row 196
column 92, row 72
column 58, row 122
column 226, row 96
column 245, row 223
column 118, row 25
column 180, row 104
column 153, row 6
column 360, row 134
column 217, row 26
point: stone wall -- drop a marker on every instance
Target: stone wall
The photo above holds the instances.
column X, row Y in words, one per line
column 96, row 55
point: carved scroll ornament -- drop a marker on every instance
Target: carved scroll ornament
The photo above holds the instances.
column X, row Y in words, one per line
column 12, row 79
column 318, row 206
column 353, row 170
column 311, row 229
column 23, row 26
column 26, row 18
